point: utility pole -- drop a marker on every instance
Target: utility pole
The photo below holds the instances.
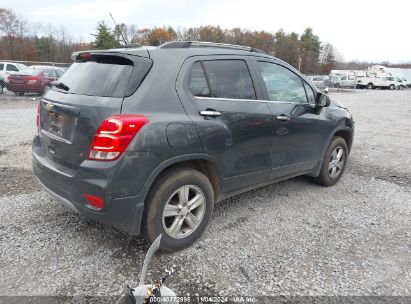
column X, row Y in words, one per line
column 300, row 59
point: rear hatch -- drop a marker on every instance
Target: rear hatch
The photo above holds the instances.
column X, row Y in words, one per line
column 91, row 90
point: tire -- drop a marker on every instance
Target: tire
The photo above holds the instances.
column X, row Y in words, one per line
column 326, row 178
column 20, row 93
column 370, row 86
column 400, row 87
column 166, row 191
column 391, row 87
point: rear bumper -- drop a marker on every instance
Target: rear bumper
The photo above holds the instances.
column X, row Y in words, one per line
column 67, row 186
column 33, row 88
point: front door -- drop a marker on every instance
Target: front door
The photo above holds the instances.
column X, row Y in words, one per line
column 299, row 128
column 220, row 96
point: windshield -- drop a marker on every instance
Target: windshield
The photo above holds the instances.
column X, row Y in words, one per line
column 105, row 76
column 22, row 66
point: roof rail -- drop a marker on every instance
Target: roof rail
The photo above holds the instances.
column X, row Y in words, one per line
column 205, row 44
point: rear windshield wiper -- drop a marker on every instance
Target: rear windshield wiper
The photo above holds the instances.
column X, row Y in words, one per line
column 60, row 85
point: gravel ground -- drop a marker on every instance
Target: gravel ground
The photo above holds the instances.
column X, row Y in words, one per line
column 290, row 238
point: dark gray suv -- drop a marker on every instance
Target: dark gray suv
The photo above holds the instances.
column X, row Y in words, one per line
column 148, row 139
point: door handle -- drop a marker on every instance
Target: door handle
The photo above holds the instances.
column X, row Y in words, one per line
column 210, row 113
column 283, row 117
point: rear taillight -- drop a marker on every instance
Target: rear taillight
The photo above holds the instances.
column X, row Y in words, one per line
column 95, row 202
column 114, row 135
column 38, row 116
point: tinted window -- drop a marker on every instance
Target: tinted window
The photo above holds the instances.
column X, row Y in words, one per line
column 103, row 76
column 12, row 68
column 29, row 72
column 59, row 73
column 229, row 79
column 310, row 93
column 198, row 82
column 1, row 66
column 281, row 83
column 51, row 73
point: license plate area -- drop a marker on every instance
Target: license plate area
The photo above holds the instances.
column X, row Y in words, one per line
column 59, row 122
column 56, row 123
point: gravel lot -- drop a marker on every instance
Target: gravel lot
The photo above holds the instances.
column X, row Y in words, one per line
column 290, row 238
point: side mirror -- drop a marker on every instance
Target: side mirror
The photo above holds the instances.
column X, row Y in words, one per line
column 322, row 100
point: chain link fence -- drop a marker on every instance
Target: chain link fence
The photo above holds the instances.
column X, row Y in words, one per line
column 28, row 78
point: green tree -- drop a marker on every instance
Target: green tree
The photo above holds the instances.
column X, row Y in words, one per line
column 9, row 25
column 309, row 51
column 104, row 38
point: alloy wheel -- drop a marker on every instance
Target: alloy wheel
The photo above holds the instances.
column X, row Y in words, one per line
column 184, row 211
column 336, row 164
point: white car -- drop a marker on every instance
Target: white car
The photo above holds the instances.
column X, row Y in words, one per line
column 384, row 82
column 401, row 83
column 344, row 81
column 7, row 68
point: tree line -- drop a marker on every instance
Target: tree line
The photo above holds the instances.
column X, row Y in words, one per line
column 305, row 51
column 20, row 40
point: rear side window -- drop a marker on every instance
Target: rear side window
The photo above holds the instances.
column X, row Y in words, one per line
column 229, row 79
column 198, row 81
column 1, row 66
column 105, row 76
column 11, row 67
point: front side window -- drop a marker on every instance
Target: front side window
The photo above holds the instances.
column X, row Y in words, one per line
column 229, row 79
column 11, row 67
column 310, row 93
column 282, row 84
column 1, row 66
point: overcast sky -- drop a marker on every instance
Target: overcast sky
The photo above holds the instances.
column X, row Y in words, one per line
column 359, row 29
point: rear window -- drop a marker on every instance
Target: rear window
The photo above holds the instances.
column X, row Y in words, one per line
column 29, row 72
column 105, row 76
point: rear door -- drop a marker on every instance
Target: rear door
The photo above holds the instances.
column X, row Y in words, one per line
column 94, row 88
column 221, row 97
column 300, row 130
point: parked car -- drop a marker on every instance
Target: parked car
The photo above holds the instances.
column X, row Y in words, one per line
column 400, row 84
column 8, row 68
column 318, row 81
column 148, row 140
column 2, row 84
column 381, row 82
column 343, row 81
column 32, row 80
column 406, row 82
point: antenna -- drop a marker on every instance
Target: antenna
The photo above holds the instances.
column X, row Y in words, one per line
column 119, row 29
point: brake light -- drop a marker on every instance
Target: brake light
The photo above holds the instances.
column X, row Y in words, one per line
column 114, row 135
column 85, row 56
column 38, row 116
column 94, row 201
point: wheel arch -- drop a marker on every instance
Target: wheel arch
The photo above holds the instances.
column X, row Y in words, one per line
column 347, row 135
column 204, row 163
